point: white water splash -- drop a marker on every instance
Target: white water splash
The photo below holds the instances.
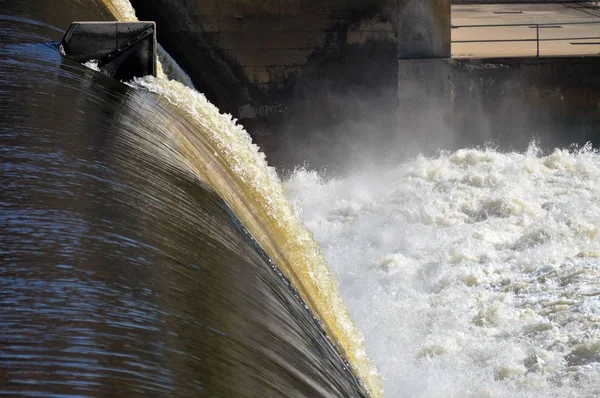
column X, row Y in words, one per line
column 472, row 274
column 93, row 65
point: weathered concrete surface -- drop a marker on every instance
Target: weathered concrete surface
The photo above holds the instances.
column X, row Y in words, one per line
column 465, row 102
column 312, row 80
column 124, row 50
column 295, row 71
column 241, row 53
column 423, row 29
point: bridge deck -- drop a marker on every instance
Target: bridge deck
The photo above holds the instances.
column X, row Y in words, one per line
column 565, row 30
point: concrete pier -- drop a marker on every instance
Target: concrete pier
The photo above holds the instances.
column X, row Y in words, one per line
column 249, row 56
column 315, row 80
column 288, row 69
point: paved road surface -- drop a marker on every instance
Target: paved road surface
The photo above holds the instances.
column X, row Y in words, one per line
column 565, row 29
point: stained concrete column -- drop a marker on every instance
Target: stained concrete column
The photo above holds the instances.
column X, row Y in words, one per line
column 424, row 29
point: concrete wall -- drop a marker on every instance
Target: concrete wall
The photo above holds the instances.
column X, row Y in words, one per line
column 315, row 80
column 466, row 102
column 292, row 70
column 237, row 49
column 423, row 29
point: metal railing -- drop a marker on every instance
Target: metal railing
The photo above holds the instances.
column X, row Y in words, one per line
column 537, row 27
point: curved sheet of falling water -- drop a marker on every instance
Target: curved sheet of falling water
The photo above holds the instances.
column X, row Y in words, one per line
column 222, row 153
column 121, row 272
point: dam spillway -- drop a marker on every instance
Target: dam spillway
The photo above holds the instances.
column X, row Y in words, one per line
column 472, row 272
column 455, row 265
column 122, row 271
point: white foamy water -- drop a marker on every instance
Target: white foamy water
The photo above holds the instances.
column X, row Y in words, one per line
column 93, row 65
column 472, row 274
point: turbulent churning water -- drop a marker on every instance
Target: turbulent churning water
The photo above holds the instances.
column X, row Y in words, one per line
column 471, row 274
column 474, row 273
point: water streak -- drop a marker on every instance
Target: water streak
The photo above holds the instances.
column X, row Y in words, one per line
column 122, row 272
column 224, row 156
